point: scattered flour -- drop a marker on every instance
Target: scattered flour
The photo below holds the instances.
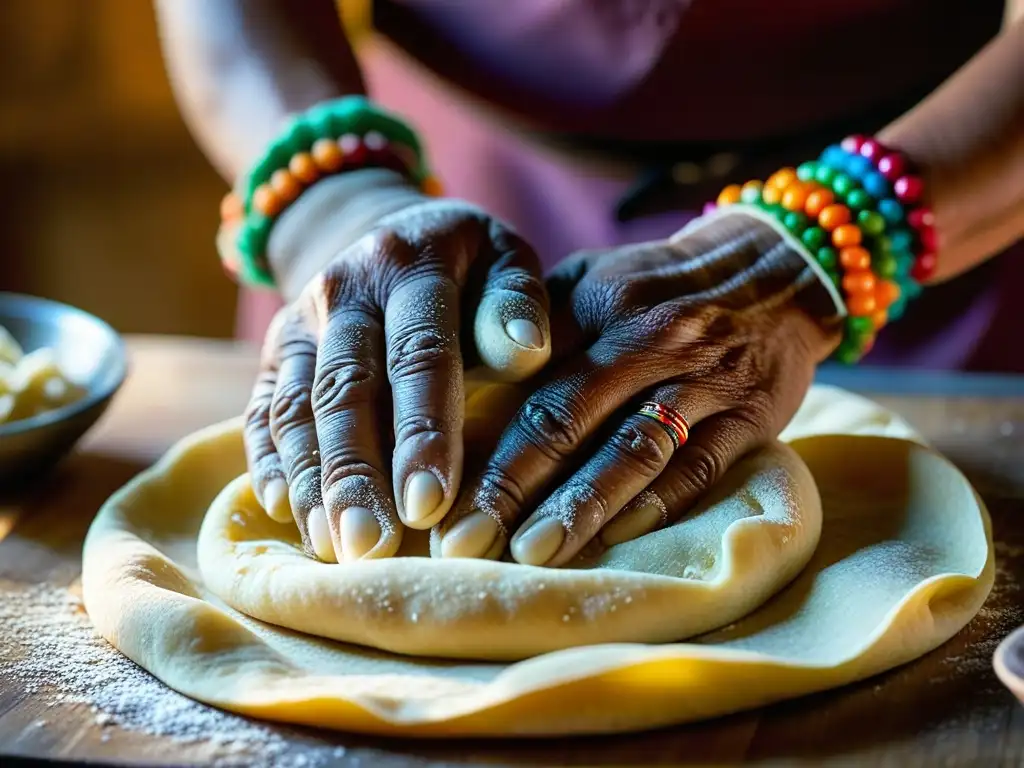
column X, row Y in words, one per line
column 49, row 649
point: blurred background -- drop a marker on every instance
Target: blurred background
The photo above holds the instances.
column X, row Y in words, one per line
column 104, row 192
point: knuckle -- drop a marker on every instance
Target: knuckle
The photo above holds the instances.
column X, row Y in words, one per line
column 553, row 428
column 641, row 447
column 414, row 426
column 342, row 385
column 420, row 351
column 339, row 470
column 700, row 470
column 291, row 403
column 499, row 494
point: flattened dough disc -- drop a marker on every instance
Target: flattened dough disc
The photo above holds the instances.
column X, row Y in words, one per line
column 903, row 562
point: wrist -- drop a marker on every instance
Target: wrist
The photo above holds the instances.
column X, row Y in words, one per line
column 328, row 218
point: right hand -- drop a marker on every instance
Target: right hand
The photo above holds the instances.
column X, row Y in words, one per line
column 390, row 295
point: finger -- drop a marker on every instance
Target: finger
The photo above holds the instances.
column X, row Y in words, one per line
column 421, row 323
column 714, row 446
column 265, row 470
column 511, row 329
column 294, row 432
column 623, row 466
column 544, row 438
column 355, row 480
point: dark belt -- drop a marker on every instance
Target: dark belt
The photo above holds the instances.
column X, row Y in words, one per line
column 681, row 176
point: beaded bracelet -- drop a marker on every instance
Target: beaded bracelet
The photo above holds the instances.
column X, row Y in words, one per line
column 334, row 137
column 857, row 210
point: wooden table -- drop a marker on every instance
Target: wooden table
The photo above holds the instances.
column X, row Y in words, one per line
column 945, row 709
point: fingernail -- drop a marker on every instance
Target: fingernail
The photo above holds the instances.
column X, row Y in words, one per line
column 538, row 543
column 360, row 532
column 631, row 524
column 524, row 333
column 423, row 495
column 320, row 535
column 275, row 497
column 472, row 536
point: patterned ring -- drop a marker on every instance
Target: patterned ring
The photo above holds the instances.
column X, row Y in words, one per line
column 669, row 418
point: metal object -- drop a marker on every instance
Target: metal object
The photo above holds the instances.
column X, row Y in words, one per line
column 672, row 420
column 91, row 354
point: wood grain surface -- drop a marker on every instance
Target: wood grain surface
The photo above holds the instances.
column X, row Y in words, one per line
column 946, row 709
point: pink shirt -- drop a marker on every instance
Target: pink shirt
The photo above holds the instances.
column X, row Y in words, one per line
column 480, row 77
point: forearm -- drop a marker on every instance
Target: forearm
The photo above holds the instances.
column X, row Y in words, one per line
column 239, row 68
column 968, row 138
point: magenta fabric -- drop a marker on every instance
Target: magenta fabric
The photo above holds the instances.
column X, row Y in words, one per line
column 663, row 70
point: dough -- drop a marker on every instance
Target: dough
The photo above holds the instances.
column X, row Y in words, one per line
column 903, row 562
column 33, row 383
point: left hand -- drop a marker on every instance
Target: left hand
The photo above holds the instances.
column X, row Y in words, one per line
column 725, row 325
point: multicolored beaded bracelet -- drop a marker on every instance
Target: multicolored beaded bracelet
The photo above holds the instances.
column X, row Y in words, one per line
column 331, row 138
column 857, row 211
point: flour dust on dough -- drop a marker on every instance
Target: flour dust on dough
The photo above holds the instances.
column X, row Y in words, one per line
column 850, row 550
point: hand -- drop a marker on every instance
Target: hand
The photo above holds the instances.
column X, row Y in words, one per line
column 374, row 334
column 724, row 324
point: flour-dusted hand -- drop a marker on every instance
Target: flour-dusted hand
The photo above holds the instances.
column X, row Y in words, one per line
column 355, row 421
column 723, row 325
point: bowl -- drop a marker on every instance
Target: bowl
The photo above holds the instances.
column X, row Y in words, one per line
column 90, row 353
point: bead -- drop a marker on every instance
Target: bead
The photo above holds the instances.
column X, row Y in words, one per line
column 354, row 150
column 266, row 201
column 861, row 304
column 751, row 192
column 432, row 187
column 846, row 235
column 892, row 166
column 875, row 184
column 847, row 353
column 897, row 309
column 901, row 239
column 871, row 150
column 806, row 171
column 842, row 184
column 708, row 208
column 327, row 155
column 781, row 178
column 375, row 141
column 858, row 200
column 929, row 239
column 871, row 223
column 730, row 195
column 825, row 175
column 854, row 258
column 858, row 166
column 285, row 185
column 859, row 327
column 886, row 292
column 924, row 267
column 862, row 281
column 817, row 201
column 833, row 216
column 832, row 156
column 795, row 222
column 303, row 168
column 879, row 318
column 920, row 217
column 891, row 210
column 794, row 197
column 886, row 266
column 771, row 194
column 834, row 276
column 828, row 257
column 231, row 208
column 908, row 189
column 814, row 238
column 852, row 144
column 776, row 210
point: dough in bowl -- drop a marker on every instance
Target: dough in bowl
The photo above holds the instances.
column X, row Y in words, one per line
column 851, row 550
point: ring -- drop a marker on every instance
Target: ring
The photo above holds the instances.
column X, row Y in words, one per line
column 669, row 418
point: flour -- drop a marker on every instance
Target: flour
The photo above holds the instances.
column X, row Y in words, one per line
column 50, row 651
